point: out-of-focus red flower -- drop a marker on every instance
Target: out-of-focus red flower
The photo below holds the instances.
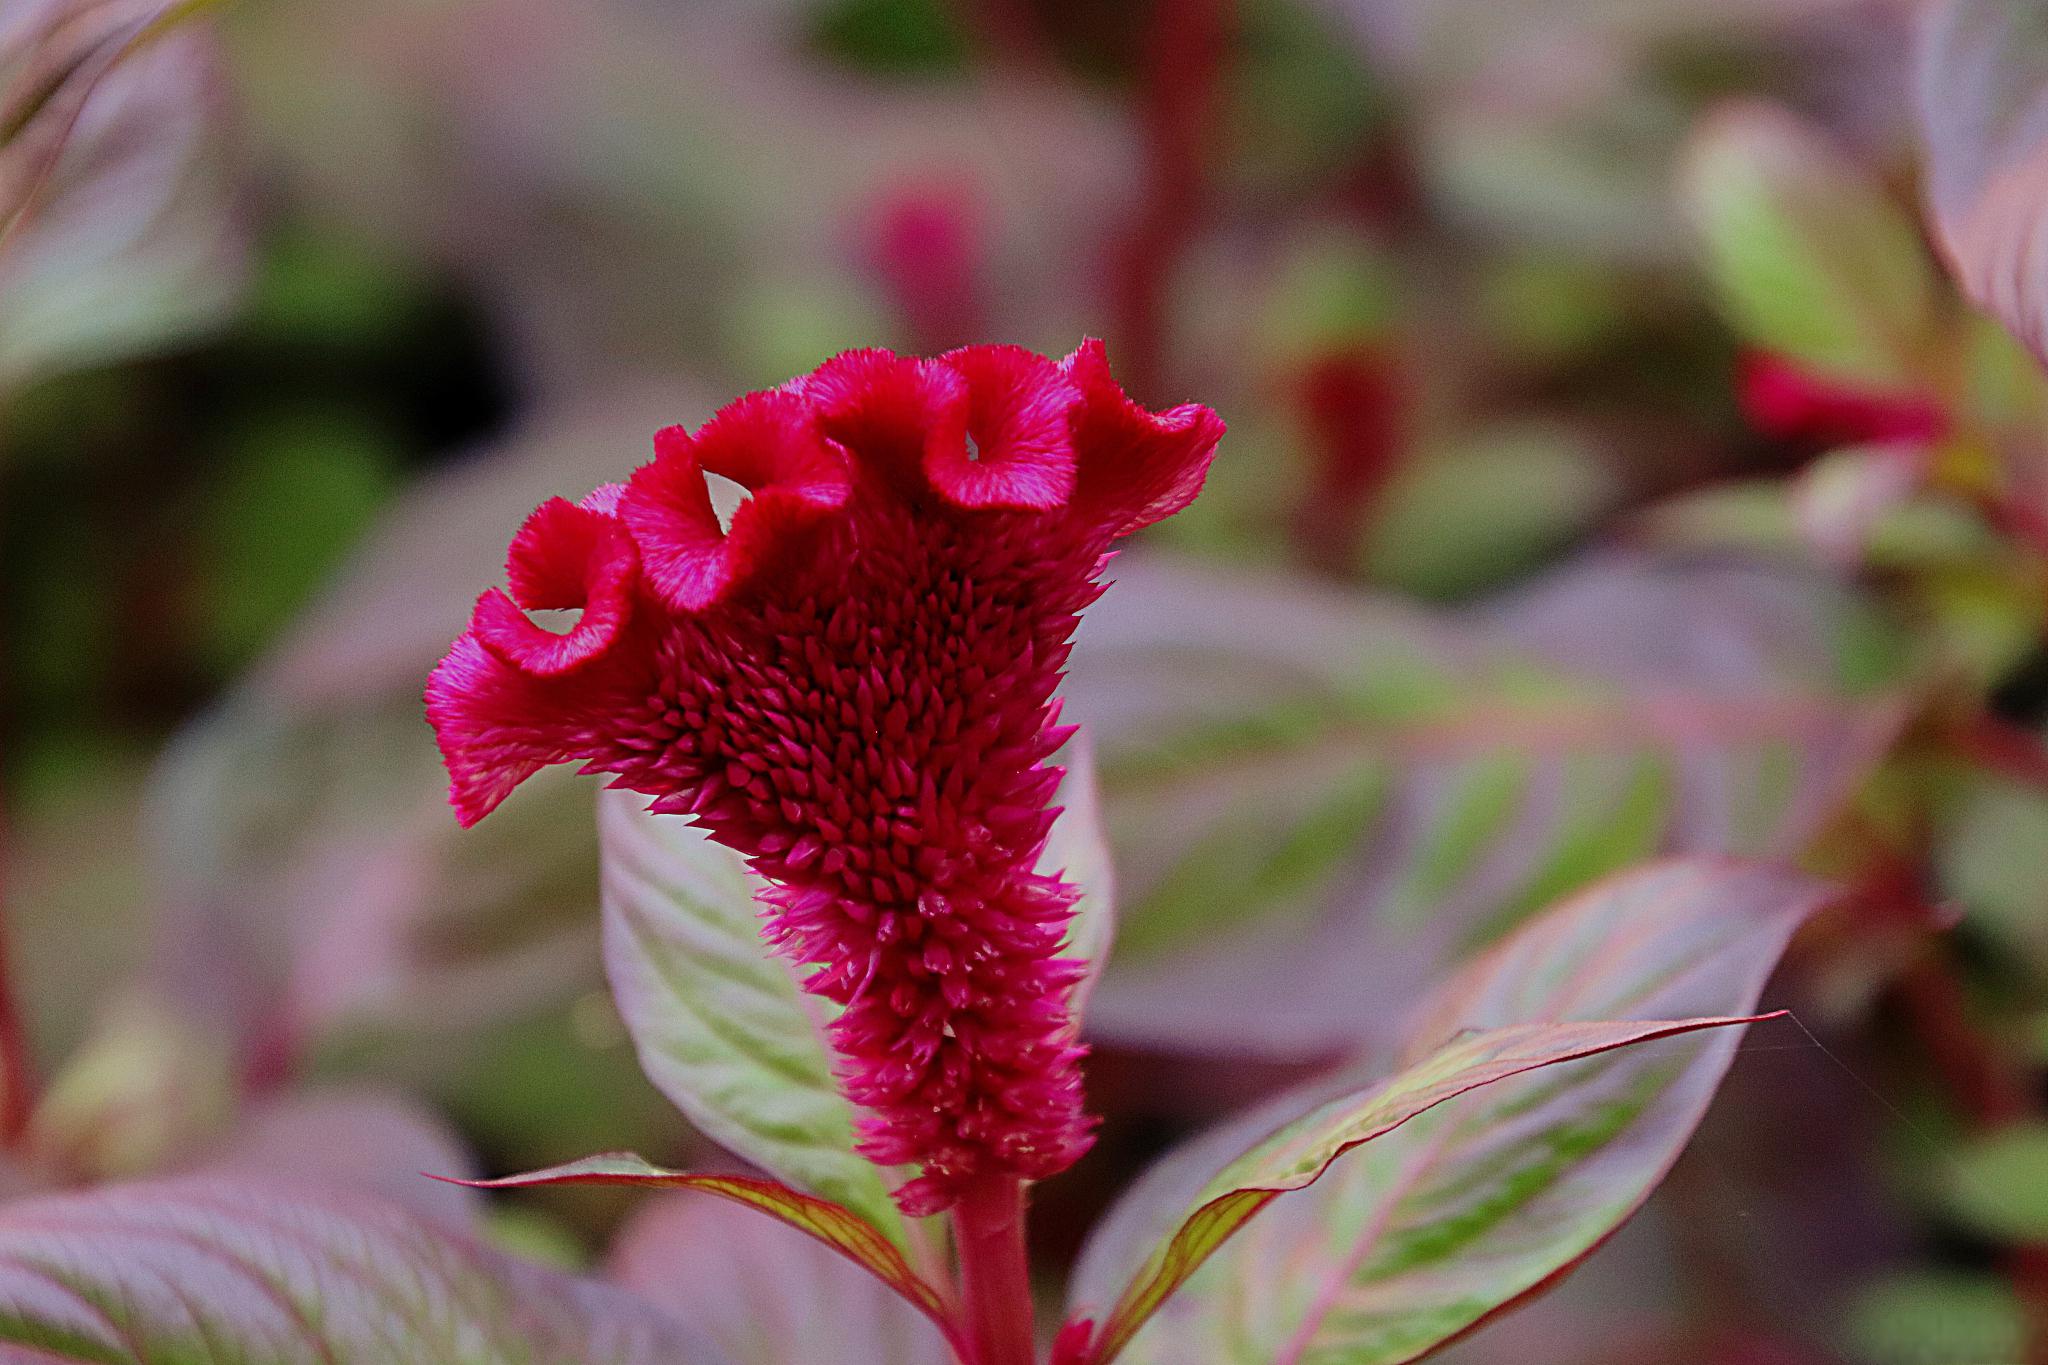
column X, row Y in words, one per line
column 928, row 243
column 1354, row 414
column 1788, row 402
column 853, row 684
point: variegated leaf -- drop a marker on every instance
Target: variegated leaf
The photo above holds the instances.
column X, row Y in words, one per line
column 1318, row 799
column 220, row 1270
column 1442, row 1221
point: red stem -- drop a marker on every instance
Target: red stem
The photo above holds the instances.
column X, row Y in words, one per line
column 2021, row 521
column 17, row 1069
column 1183, row 69
column 995, row 1273
column 2005, row 748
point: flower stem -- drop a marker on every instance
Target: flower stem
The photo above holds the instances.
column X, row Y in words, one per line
column 995, row 1275
column 1186, row 53
column 17, row 1069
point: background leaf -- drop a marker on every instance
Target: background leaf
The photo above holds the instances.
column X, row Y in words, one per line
column 1983, row 100
column 765, row 1292
column 1997, row 1184
column 355, row 1137
column 1318, row 799
column 309, row 887
column 212, row 1270
column 1810, row 257
column 1458, row 1213
column 117, row 223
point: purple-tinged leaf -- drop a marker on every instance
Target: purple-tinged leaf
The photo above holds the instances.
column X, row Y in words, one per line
column 355, row 1138
column 763, row 1291
column 1077, row 851
column 299, row 832
column 1450, row 1218
column 1299, row 1154
column 723, row 1028
column 117, row 229
column 1983, row 97
column 1319, row 798
column 833, row 1225
column 248, row 1271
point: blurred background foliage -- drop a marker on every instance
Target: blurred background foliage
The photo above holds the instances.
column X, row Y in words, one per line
column 1614, row 469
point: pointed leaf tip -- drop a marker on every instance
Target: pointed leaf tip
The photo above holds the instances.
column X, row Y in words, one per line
column 833, row 1224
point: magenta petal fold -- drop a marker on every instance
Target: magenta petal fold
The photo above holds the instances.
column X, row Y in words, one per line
column 852, row 683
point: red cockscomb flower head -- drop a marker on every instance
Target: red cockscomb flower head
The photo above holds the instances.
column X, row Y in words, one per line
column 852, row 684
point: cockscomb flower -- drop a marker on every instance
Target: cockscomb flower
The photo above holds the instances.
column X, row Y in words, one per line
column 852, row 684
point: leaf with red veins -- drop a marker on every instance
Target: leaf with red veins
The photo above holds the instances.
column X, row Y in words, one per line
column 835, row 1225
column 1531, row 1170
column 219, row 1269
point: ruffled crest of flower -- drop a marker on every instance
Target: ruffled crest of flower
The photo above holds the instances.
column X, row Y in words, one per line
column 852, row 683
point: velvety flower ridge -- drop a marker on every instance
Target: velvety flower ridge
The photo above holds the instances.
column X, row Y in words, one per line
column 852, row 684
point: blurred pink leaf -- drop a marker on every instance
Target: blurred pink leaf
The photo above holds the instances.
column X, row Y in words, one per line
column 1983, row 100
column 765, row 1292
column 211, row 1269
column 1843, row 497
column 359, row 1139
column 1455, row 1213
column 1318, row 798
column 310, row 875
column 117, row 222
column 830, row 1224
column 1448, row 37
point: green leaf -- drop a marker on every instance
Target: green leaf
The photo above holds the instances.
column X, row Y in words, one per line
column 1318, row 799
column 1461, row 1200
column 1938, row 1319
column 834, row 1225
column 722, row 1026
column 1991, row 833
column 1479, row 511
column 209, row 1270
column 1809, row 254
column 1998, row 1184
